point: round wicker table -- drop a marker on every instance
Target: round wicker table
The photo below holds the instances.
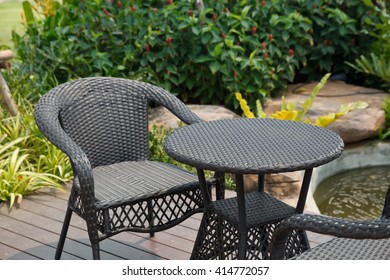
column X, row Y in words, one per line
column 242, row 227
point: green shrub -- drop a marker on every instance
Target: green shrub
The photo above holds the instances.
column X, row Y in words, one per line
column 26, row 163
column 230, row 46
column 341, row 32
column 385, row 132
column 254, row 47
column 376, row 64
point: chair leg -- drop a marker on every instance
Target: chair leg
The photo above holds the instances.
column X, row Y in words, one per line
column 150, row 217
column 96, row 251
column 64, row 232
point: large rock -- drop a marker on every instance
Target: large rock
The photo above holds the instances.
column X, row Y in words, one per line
column 359, row 125
column 284, row 186
column 355, row 126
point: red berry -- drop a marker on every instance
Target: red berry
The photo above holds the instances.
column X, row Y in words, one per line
column 270, row 36
column 235, row 74
column 134, row 8
column 290, row 52
column 238, row 43
column 325, row 43
column 226, row 10
column 223, row 35
column 254, row 29
column 266, row 55
column 119, row 4
column 169, row 2
column 155, row 10
column 262, row 3
column 263, row 45
column 169, row 40
column 106, row 12
column 190, row 13
column 214, row 17
column 147, row 47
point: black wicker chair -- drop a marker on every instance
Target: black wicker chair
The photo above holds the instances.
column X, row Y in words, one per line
column 356, row 240
column 101, row 124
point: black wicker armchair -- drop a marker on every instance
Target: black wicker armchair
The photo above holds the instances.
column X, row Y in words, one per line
column 356, row 240
column 101, row 124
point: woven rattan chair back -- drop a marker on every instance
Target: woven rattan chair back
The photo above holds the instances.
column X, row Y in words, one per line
column 102, row 125
column 108, row 117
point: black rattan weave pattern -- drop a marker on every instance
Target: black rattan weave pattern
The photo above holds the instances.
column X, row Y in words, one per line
column 355, row 240
column 102, row 125
column 349, row 249
column 243, row 227
column 219, row 232
column 279, row 146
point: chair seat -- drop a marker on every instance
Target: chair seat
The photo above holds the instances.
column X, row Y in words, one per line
column 349, row 249
column 126, row 182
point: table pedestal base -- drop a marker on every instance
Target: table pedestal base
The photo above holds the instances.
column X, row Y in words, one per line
column 219, row 234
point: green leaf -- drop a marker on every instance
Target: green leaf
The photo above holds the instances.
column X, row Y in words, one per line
column 196, row 30
column 246, row 24
column 28, row 13
column 215, row 66
column 202, row 59
column 218, row 50
column 183, row 25
column 229, row 43
column 352, row 106
column 171, row 68
column 285, row 36
column 253, row 54
column 309, row 101
column 206, row 37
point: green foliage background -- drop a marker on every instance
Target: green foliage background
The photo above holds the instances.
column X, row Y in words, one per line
column 254, row 47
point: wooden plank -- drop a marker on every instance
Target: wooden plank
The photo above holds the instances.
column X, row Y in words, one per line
column 18, row 242
column 43, row 236
column 9, row 253
column 163, row 242
column 77, row 241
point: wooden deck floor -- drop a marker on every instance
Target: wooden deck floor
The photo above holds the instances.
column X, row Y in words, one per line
column 32, row 231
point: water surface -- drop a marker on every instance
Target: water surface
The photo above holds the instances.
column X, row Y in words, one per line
column 355, row 194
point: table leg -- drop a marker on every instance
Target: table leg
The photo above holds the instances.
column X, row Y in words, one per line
column 304, row 190
column 206, row 192
column 300, row 237
column 242, row 225
column 220, row 185
column 260, row 183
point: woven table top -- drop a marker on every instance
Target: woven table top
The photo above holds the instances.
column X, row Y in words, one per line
column 253, row 145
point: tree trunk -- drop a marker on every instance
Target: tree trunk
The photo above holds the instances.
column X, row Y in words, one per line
column 7, row 98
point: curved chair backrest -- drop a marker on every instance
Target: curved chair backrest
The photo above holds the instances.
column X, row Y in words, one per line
column 106, row 117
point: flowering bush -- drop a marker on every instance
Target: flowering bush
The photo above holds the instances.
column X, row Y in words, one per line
column 254, row 47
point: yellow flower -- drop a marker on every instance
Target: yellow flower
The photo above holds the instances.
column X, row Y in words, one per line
column 285, row 115
column 328, row 119
column 244, row 106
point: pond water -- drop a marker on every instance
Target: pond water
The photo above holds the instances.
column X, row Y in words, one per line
column 354, row 194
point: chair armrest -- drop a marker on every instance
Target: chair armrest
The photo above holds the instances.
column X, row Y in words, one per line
column 171, row 102
column 337, row 227
column 46, row 117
